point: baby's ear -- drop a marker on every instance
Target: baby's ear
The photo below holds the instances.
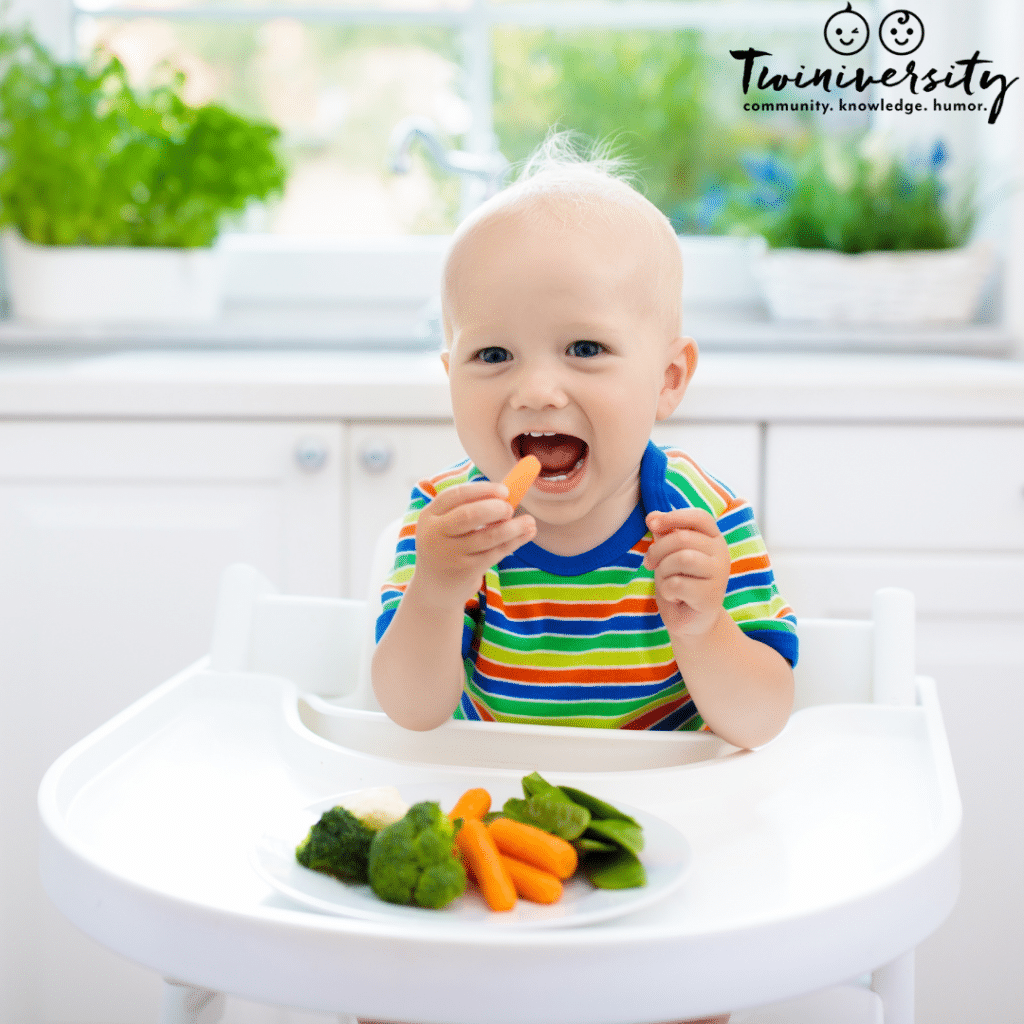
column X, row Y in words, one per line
column 445, row 356
column 682, row 362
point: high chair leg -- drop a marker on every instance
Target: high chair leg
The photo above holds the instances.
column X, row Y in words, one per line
column 894, row 984
column 188, row 1004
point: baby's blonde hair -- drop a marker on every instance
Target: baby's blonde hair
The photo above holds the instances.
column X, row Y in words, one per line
column 576, row 183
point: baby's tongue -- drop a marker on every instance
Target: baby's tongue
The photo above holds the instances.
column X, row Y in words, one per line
column 557, row 453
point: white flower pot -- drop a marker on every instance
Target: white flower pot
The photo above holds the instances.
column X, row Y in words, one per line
column 717, row 270
column 52, row 284
column 940, row 286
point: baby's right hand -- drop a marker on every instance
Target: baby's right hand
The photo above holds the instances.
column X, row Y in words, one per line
column 460, row 535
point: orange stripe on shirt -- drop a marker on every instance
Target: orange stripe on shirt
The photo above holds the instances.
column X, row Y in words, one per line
column 547, row 676
column 752, row 564
column 572, row 610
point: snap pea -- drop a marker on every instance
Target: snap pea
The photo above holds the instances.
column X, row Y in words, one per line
column 552, row 813
column 598, row 808
column 623, row 833
column 608, row 840
column 617, row 870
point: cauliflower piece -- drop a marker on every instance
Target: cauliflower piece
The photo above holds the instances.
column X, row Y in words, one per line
column 377, row 807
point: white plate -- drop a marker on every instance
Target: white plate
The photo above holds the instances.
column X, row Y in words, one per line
column 666, row 857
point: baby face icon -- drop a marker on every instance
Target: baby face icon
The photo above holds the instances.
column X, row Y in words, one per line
column 847, row 32
column 901, row 32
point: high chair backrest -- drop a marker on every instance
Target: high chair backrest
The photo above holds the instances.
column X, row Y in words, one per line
column 323, row 645
column 316, row 642
column 859, row 660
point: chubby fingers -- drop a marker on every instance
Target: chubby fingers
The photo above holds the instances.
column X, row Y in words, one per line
column 699, row 519
column 478, row 516
column 470, row 507
column 687, row 542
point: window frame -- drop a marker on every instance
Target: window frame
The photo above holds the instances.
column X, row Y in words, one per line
column 56, row 22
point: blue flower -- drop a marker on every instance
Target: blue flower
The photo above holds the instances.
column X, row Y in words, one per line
column 773, row 181
column 709, row 207
column 768, row 170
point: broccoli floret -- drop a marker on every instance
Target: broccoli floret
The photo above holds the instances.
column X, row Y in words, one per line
column 338, row 844
column 414, row 861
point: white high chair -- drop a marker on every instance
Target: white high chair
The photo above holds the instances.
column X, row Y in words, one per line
column 282, row 714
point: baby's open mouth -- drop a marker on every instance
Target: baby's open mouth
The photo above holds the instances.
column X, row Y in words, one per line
column 561, row 456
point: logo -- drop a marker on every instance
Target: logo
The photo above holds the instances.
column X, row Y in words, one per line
column 901, row 32
column 847, row 32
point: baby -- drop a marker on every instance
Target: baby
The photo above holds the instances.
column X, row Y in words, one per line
column 630, row 589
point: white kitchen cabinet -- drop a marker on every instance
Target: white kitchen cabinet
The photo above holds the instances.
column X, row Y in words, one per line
column 885, row 487
column 938, row 509
column 113, row 537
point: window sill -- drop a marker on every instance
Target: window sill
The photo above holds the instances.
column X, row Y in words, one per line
column 398, row 327
column 381, row 295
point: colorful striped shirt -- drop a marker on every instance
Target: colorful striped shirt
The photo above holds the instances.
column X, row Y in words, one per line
column 578, row 640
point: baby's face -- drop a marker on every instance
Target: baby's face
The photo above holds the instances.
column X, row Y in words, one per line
column 560, row 347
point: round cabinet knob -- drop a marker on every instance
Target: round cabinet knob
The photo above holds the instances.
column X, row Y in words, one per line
column 311, row 454
column 376, row 456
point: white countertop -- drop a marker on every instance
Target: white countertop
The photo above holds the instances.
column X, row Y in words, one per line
column 311, row 384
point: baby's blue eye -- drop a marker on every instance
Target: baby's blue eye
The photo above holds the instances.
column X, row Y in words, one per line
column 586, row 349
column 494, row 354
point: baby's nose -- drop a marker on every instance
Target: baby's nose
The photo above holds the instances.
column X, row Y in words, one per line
column 538, row 387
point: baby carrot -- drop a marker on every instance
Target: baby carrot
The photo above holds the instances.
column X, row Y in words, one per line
column 484, row 861
column 531, row 883
column 474, row 803
column 520, row 478
column 535, row 846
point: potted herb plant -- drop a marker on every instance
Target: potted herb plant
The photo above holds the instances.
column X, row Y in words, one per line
column 858, row 237
column 111, row 198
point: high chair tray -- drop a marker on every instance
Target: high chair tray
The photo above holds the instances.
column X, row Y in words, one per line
column 817, row 858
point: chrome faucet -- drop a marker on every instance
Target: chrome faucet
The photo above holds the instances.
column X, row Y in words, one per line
column 489, row 168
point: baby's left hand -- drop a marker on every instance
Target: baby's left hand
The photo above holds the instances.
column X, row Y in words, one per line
column 691, row 565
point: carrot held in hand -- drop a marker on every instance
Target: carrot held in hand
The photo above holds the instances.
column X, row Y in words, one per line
column 485, row 864
column 520, row 478
column 474, row 803
column 531, row 883
column 535, row 846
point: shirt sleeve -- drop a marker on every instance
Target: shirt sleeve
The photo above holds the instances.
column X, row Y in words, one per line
column 405, row 564
column 751, row 596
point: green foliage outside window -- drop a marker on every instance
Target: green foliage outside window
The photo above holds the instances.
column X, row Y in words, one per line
column 649, row 93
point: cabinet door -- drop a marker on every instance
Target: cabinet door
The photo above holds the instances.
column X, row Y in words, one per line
column 385, row 461
column 938, row 510
column 113, row 537
column 896, row 488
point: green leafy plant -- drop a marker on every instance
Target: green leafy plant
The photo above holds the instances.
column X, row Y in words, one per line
column 85, row 159
column 848, row 199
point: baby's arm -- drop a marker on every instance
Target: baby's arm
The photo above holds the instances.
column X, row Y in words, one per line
column 417, row 667
column 743, row 688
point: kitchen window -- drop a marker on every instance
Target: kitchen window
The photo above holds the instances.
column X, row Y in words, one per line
column 338, row 76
